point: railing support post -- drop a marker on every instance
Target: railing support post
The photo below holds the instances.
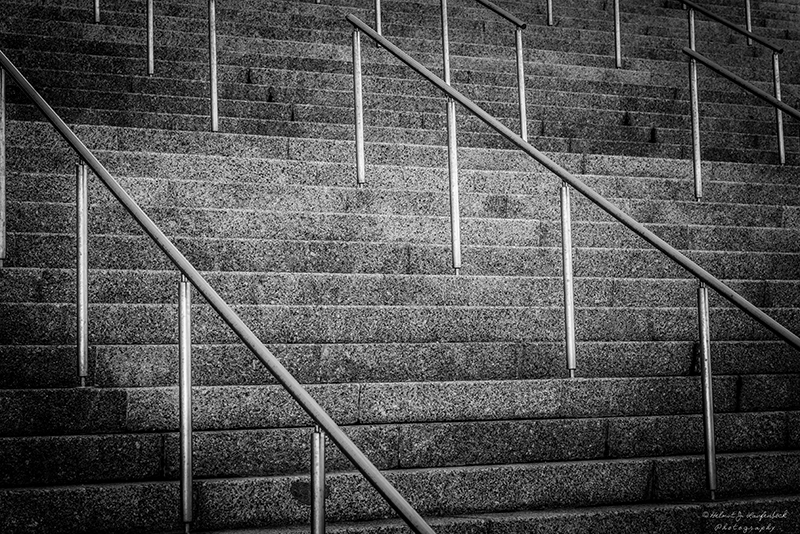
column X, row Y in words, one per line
column 212, row 61
column 748, row 20
column 97, row 11
column 359, row 110
column 549, row 12
column 318, row 481
column 452, row 150
column 708, row 394
column 695, row 111
column 378, row 23
column 523, row 113
column 3, row 245
column 566, row 261
column 185, row 394
column 82, row 269
column 776, row 72
column 151, row 55
column 617, row 37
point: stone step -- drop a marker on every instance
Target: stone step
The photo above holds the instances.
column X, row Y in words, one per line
column 111, row 220
column 689, row 518
column 470, row 36
column 446, row 491
column 106, row 138
column 299, row 289
column 51, row 171
column 81, row 459
column 647, row 200
column 260, row 255
column 23, row 191
column 129, row 366
column 644, row 141
column 53, row 324
column 49, row 412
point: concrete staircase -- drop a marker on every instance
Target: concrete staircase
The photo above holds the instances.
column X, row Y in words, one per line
column 454, row 385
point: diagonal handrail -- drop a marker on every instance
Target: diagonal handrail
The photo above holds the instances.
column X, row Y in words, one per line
column 705, row 279
column 741, row 82
column 694, row 97
column 248, row 337
column 632, row 224
column 725, row 22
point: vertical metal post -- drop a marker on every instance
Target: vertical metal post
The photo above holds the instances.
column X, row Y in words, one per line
column 378, row 24
column 748, row 20
column 151, row 55
column 359, row 109
column 318, row 481
column 212, row 53
column 708, row 394
column 695, row 110
column 97, row 11
column 617, row 37
column 549, row 12
column 523, row 113
column 82, row 230
column 776, row 71
column 566, row 261
column 185, row 394
column 3, row 245
column 452, row 151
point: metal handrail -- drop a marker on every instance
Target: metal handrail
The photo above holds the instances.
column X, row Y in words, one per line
column 741, row 82
column 668, row 250
column 523, row 111
column 731, row 25
column 503, row 13
column 248, row 337
column 694, row 91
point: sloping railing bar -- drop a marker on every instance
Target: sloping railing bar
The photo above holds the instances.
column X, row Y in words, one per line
column 600, row 201
column 248, row 337
column 747, row 33
column 694, row 90
column 705, row 278
column 503, row 13
column 741, row 82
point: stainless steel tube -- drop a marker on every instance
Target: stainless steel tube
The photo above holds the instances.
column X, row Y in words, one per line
column 359, row 110
column 452, row 166
column 776, row 71
column 452, row 150
column 748, row 21
column 151, row 55
column 248, row 337
column 3, row 245
column 566, row 262
column 708, row 394
column 445, row 43
column 695, row 111
column 523, row 112
column 212, row 62
column 97, row 11
column 185, row 394
column 82, row 197
column 317, row 481
column 549, row 12
column 617, row 37
column 378, row 24
column 629, row 222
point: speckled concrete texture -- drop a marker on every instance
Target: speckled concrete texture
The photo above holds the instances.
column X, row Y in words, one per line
column 453, row 385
